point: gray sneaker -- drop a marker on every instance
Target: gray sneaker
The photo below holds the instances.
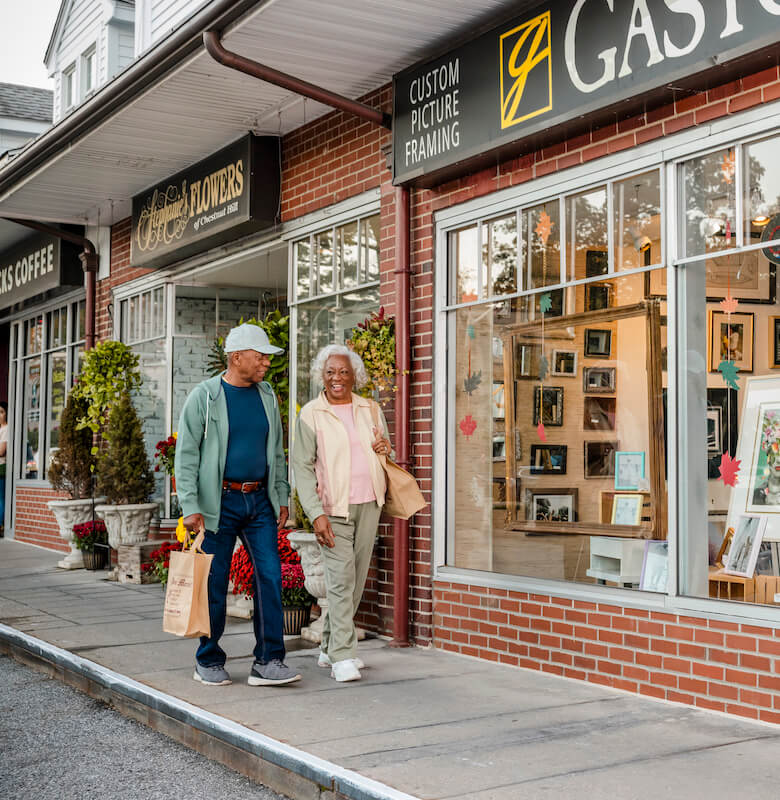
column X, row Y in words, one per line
column 211, row 676
column 274, row 673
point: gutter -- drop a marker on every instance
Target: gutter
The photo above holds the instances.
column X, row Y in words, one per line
column 146, row 71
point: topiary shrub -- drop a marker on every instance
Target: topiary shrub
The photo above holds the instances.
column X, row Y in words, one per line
column 72, row 465
column 124, row 473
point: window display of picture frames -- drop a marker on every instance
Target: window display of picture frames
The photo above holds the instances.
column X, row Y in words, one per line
column 745, row 276
column 655, row 567
column 722, row 406
column 758, row 447
column 599, row 380
column 626, row 509
column 551, row 505
column 599, row 413
column 731, row 339
column 629, row 470
column 598, row 342
column 599, row 459
column 598, row 296
column 548, row 459
column 562, row 328
column 774, row 342
column 745, row 544
column 548, row 405
column 498, row 400
column 564, row 363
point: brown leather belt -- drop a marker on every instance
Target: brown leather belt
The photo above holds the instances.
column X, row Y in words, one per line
column 245, row 488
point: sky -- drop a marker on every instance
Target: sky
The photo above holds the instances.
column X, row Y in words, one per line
column 25, row 28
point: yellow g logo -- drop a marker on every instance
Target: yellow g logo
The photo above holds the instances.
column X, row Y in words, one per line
column 526, row 63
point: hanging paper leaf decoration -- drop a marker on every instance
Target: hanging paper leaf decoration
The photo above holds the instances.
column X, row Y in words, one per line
column 728, row 166
column 544, row 226
column 468, row 426
column 540, row 432
column 729, row 372
column 468, row 297
column 545, row 302
column 729, row 305
column 471, row 332
column 543, row 365
column 729, row 467
column 472, row 382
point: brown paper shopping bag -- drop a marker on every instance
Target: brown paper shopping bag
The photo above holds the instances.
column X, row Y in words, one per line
column 187, row 595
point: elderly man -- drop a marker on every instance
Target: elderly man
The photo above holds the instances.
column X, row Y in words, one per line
column 232, row 482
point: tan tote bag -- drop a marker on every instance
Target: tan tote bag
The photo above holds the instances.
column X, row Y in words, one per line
column 403, row 498
column 186, row 610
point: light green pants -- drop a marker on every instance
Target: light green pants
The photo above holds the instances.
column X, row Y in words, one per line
column 346, row 569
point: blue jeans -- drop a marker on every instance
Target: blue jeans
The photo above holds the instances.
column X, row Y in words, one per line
column 251, row 518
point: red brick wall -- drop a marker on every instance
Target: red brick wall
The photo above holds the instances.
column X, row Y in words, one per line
column 723, row 666
column 34, row 523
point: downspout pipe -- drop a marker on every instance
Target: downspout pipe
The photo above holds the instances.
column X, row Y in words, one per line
column 268, row 74
column 89, row 261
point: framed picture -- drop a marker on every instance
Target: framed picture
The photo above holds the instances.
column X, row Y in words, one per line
column 768, row 560
column 758, row 482
column 774, row 342
column 655, row 567
column 627, row 509
column 548, row 400
column 731, row 339
column 499, row 447
column 599, row 413
column 552, row 505
column 722, row 405
column 598, row 379
column 548, row 459
column 598, row 343
column 527, row 360
column 564, row 363
column 743, row 553
column 596, row 263
column 600, row 459
column 629, row 470
column 498, row 400
column 598, row 296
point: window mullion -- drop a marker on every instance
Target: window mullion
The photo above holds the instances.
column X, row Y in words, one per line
column 610, row 230
column 562, row 245
column 739, row 179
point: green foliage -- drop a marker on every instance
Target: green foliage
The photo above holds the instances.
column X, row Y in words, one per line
column 124, row 473
column 72, row 465
column 300, row 515
column 374, row 341
column 109, row 370
column 277, row 326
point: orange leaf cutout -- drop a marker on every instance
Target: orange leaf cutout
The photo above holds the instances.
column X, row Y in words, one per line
column 729, row 467
column 468, row 426
column 540, row 431
column 729, row 305
column 728, row 167
column 544, row 226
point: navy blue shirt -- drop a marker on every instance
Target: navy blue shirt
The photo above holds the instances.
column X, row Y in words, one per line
column 247, row 434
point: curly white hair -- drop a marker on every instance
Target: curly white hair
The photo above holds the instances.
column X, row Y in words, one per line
column 358, row 367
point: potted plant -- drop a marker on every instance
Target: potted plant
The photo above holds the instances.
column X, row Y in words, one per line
column 125, row 477
column 164, row 455
column 374, row 341
column 70, row 471
column 85, row 536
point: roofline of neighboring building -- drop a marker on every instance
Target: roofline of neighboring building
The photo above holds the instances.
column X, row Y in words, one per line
column 161, row 59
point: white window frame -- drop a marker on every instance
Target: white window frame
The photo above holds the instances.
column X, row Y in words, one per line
column 89, row 71
column 69, row 87
column 667, row 153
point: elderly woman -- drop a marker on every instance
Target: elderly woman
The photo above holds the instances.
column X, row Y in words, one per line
column 341, row 486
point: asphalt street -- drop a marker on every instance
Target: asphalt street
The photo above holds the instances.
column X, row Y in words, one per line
column 58, row 743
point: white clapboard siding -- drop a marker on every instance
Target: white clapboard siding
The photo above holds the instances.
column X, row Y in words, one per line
column 165, row 15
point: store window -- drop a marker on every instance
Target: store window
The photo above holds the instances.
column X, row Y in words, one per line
column 89, row 71
column 337, row 286
column 731, row 368
column 69, row 87
column 46, row 351
column 557, row 397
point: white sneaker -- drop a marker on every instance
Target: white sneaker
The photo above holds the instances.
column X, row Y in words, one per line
column 324, row 661
column 345, row 670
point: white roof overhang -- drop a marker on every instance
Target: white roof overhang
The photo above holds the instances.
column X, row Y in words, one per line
column 89, row 172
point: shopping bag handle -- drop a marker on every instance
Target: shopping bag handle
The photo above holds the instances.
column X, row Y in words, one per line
column 197, row 544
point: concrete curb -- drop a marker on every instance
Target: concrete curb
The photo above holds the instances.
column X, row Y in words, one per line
column 325, row 778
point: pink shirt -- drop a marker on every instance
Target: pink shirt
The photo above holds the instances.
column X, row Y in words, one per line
column 361, row 489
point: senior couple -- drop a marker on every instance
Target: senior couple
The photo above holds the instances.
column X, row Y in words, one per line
column 231, row 478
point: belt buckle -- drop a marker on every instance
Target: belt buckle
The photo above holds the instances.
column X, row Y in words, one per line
column 245, row 484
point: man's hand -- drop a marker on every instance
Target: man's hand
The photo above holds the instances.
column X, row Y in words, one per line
column 284, row 513
column 323, row 531
column 194, row 523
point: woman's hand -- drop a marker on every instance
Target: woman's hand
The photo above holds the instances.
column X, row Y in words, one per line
column 381, row 445
column 323, row 531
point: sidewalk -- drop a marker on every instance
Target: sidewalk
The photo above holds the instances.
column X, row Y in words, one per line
column 421, row 723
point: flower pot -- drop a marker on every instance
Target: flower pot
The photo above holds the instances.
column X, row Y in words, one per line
column 239, row 605
column 69, row 513
column 173, row 484
column 95, row 559
column 127, row 524
column 295, row 618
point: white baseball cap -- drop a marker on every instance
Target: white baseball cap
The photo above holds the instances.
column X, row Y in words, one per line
column 250, row 337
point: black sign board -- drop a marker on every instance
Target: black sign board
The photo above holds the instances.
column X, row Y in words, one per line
column 562, row 60
column 227, row 195
column 35, row 265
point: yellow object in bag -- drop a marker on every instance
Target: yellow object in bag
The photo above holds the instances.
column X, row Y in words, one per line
column 186, row 610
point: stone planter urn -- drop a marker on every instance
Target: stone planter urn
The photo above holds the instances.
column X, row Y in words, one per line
column 239, row 605
column 127, row 524
column 69, row 513
column 305, row 544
